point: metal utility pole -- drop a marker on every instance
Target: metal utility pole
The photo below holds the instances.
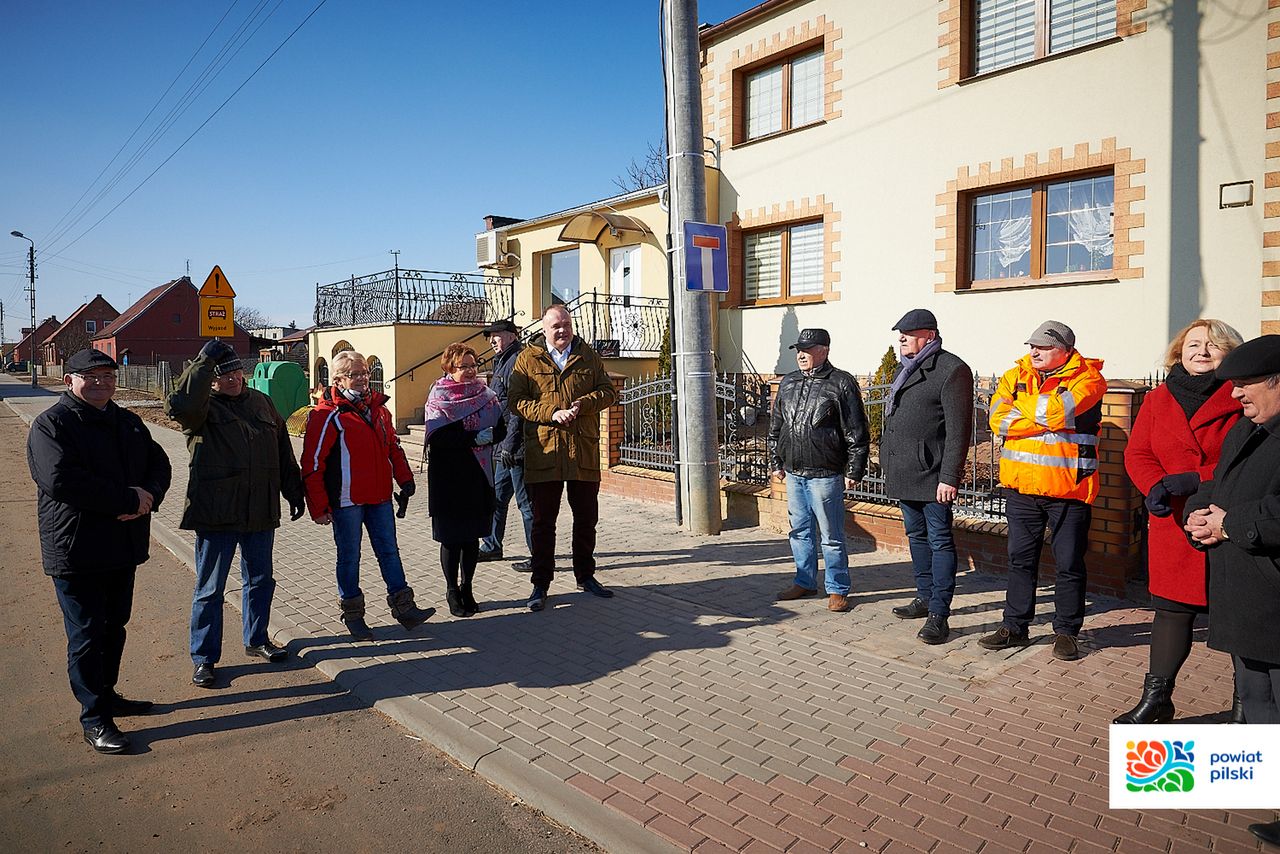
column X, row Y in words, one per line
column 31, row 289
column 692, row 354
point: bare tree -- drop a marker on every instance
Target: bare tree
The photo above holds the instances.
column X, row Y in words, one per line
column 649, row 171
column 250, row 318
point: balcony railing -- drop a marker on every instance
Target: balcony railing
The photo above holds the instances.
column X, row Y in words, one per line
column 415, row 296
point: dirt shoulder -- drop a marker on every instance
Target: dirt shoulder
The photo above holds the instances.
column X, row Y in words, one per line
column 280, row 760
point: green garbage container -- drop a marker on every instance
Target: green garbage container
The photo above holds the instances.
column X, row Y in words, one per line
column 284, row 383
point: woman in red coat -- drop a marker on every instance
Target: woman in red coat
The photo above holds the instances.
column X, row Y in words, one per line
column 1176, row 440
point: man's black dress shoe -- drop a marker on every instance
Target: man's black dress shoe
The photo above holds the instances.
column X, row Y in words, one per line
column 122, row 708
column 1268, row 832
column 267, row 650
column 105, row 738
column 913, row 610
column 482, row 556
column 203, row 676
column 522, row 566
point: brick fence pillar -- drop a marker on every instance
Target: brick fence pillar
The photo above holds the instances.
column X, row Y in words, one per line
column 1118, row 531
column 612, row 428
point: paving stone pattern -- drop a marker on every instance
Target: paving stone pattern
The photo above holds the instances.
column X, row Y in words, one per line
column 693, row 712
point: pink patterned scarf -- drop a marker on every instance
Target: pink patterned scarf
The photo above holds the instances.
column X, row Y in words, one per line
column 474, row 404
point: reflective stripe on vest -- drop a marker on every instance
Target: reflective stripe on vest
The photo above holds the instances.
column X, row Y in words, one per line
column 1085, row 464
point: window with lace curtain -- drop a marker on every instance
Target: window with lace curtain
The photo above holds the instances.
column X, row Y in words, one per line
column 1058, row 228
column 783, row 264
column 782, row 96
column 1011, row 32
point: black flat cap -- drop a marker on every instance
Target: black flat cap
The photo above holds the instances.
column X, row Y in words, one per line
column 917, row 318
column 812, row 338
column 87, row 360
column 500, row 326
column 1257, row 358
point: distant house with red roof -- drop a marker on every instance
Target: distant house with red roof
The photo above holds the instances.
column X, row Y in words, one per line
column 163, row 326
column 22, row 352
column 77, row 331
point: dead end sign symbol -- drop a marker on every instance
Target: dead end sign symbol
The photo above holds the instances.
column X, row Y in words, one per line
column 706, row 257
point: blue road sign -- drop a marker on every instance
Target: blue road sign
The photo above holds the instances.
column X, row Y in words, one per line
column 706, row 257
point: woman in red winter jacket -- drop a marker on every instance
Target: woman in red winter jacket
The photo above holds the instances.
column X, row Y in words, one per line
column 1176, row 440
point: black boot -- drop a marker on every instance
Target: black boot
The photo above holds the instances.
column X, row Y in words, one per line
column 1237, row 709
column 353, row 618
column 406, row 611
column 1156, row 705
column 454, row 597
column 468, row 600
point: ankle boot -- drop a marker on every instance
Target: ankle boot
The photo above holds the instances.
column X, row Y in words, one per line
column 456, row 606
column 468, row 600
column 406, row 611
column 1237, row 709
column 353, row 618
column 1156, row 705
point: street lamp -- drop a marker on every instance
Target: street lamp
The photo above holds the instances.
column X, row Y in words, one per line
column 31, row 289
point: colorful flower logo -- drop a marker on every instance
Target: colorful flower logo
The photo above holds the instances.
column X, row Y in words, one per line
column 1160, row 766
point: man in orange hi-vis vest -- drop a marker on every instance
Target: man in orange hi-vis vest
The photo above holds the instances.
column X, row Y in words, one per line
column 1048, row 409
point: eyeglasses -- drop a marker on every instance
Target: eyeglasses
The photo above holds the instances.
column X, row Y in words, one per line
column 357, row 375
column 97, row 379
column 470, row 367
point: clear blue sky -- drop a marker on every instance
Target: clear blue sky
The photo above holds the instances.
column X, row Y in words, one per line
column 378, row 126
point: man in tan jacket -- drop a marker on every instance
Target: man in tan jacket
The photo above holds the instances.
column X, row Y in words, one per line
column 559, row 389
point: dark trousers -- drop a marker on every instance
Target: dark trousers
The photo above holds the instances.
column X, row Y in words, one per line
column 933, row 552
column 95, row 608
column 1258, row 684
column 1068, row 520
column 584, row 501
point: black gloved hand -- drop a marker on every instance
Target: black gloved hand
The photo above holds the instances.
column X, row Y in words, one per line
column 296, row 510
column 1182, row 483
column 215, row 351
column 1158, row 500
column 507, row 459
column 408, row 489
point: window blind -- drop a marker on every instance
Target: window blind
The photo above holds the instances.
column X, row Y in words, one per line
column 762, row 252
column 806, row 259
column 764, row 102
column 806, row 89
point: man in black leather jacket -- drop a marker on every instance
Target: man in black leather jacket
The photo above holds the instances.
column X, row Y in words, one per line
column 818, row 432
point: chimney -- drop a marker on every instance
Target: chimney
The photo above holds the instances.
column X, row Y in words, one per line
column 493, row 221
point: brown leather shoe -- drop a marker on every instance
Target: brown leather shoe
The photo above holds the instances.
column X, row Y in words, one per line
column 838, row 603
column 795, row 591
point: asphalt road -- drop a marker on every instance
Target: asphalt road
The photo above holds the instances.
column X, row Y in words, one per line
column 277, row 758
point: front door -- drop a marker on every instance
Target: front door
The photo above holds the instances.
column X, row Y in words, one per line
column 624, row 282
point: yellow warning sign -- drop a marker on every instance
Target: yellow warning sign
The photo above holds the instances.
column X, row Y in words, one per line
column 216, row 285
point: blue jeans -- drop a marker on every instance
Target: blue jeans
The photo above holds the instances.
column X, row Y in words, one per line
column 818, row 502
column 380, row 521
column 95, row 608
column 508, row 482
column 933, row 552
column 214, row 551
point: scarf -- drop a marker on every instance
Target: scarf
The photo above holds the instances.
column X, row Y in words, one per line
column 1191, row 391
column 910, row 364
column 473, row 404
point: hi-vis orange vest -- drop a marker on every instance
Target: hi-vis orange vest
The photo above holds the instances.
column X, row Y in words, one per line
column 1050, row 428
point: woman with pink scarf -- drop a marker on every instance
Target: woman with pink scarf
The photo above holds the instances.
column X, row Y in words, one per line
column 464, row 420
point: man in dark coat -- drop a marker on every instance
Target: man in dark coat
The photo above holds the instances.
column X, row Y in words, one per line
column 99, row 474
column 241, row 462
column 1236, row 518
column 818, row 432
column 508, row 460
column 928, row 422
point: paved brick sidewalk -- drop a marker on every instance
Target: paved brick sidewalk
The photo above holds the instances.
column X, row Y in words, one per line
column 693, row 712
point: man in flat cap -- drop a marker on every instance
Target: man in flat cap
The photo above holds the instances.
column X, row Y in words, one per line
column 928, row 423
column 1048, row 409
column 241, row 463
column 508, row 465
column 1235, row 517
column 99, row 474
column 818, row 432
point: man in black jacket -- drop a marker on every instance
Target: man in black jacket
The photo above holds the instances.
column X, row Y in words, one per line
column 508, row 460
column 99, row 474
column 241, row 463
column 818, row 433
column 928, row 421
column 1236, row 518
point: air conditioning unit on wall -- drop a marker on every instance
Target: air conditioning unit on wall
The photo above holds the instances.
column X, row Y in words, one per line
column 491, row 250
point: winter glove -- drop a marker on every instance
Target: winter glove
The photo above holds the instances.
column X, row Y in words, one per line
column 506, row 459
column 484, row 437
column 408, row 489
column 1158, row 500
column 296, row 509
column 215, row 351
column 1183, row 483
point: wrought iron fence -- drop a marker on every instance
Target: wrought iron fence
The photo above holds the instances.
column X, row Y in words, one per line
column 415, row 296
column 620, row 325
column 743, row 403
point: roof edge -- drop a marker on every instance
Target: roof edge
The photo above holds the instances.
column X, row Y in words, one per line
column 709, row 33
column 624, row 198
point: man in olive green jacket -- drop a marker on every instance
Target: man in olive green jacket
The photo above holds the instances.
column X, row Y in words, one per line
column 559, row 390
column 241, row 462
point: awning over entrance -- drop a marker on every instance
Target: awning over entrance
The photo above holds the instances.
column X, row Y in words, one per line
column 587, row 227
